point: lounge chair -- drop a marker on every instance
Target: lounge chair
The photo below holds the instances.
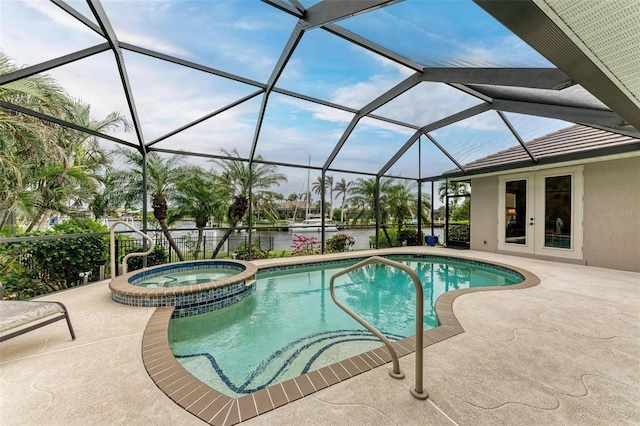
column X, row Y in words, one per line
column 14, row 314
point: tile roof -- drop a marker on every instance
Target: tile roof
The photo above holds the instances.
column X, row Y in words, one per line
column 565, row 142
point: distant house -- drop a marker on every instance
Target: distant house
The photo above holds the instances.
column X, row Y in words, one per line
column 286, row 209
column 576, row 208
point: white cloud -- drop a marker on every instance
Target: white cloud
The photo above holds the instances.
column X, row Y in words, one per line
column 153, row 43
column 427, row 103
column 487, row 121
column 499, row 52
column 384, row 128
column 361, row 93
column 388, row 63
column 57, row 15
column 334, row 115
column 293, row 71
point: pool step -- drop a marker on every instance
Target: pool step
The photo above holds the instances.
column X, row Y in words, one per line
column 296, row 358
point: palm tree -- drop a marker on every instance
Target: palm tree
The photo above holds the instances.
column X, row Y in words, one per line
column 13, row 180
column 74, row 179
column 400, row 201
column 267, row 203
column 201, row 197
column 44, row 166
column 328, row 184
column 293, row 209
column 328, row 180
column 26, row 143
column 163, row 176
column 363, row 195
column 452, row 188
column 99, row 206
column 342, row 188
column 55, row 185
column 237, row 178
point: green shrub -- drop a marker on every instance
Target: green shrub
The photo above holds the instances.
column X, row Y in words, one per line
column 340, row 242
column 393, row 233
column 79, row 225
column 22, row 286
column 54, row 264
column 279, row 253
column 459, row 232
column 157, row 257
column 16, row 283
column 411, row 236
column 242, row 252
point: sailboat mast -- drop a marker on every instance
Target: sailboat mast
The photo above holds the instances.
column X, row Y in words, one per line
column 308, row 191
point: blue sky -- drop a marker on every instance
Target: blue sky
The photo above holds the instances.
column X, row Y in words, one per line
column 245, row 37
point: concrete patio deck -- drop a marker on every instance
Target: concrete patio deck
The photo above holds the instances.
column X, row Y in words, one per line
column 566, row 352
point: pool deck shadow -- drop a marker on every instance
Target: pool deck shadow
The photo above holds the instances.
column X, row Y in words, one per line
column 566, row 351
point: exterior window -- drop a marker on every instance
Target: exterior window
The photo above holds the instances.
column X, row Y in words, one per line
column 557, row 212
column 516, row 212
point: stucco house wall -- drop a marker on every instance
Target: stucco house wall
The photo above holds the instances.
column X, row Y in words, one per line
column 611, row 214
column 484, row 214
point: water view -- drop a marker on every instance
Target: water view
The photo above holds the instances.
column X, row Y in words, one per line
column 281, row 239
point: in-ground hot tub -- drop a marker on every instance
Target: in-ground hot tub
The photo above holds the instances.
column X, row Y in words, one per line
column 187, row 285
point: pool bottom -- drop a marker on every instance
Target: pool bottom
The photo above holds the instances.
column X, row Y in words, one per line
column 213, row 407
column 291, row 361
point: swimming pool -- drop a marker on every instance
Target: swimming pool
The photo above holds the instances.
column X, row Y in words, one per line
column 290, row 326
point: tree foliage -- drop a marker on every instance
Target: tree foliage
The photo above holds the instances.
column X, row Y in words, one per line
column 126, row 186
column 157, row 257
column 54, row 264
column 340, row 242
column 45, row 167
column 239, row 178
column 201, row 197
column 242, row 251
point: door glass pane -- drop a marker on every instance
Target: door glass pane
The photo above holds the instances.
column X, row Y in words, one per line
column 557, row 212
column 516, row 212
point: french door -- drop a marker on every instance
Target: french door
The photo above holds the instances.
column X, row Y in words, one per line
column 541, row 212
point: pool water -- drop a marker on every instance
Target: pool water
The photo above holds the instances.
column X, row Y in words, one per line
column 182, row 278
column 290, row 325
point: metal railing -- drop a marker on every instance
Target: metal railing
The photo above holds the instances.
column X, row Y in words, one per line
column 418, row 391
column 112, row 246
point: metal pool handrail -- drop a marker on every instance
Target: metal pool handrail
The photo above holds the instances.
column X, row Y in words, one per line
column 112, row 246
column 418, row 391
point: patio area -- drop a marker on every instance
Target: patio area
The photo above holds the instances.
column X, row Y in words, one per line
column 564, row 352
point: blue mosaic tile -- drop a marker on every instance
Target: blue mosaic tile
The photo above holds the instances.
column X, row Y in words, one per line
column 190, row 303
column 427, row 257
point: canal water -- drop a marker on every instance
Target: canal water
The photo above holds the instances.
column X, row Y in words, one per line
column 282, row 239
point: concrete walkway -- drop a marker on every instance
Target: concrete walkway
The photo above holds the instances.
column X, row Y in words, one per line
column 566, row 352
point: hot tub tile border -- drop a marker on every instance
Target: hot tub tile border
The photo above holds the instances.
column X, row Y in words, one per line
column 188, row 300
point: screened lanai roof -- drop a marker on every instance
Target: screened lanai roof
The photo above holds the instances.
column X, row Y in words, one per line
column 410, row 88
